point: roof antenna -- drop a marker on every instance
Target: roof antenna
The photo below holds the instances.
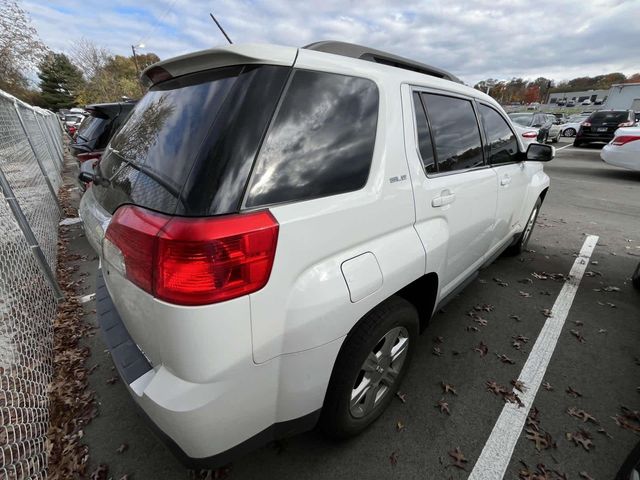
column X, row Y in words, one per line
column 221, row 29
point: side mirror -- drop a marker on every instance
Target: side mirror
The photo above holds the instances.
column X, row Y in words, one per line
column 538, row 152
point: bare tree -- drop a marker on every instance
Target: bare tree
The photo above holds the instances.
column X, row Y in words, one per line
column 89, row 57
column 20, row 47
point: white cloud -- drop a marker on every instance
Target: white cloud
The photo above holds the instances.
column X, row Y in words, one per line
column 486, row 38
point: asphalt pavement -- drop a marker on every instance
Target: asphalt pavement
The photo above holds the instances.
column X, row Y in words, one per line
column 594, row 370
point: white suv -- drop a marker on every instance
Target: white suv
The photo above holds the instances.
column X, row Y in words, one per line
column 276, row 226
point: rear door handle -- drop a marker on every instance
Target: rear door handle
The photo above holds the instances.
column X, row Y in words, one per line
column 445, row 198
column 506, row 180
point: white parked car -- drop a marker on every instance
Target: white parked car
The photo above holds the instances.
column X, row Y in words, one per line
column 572, row 126
column 276, row 226
column 624, row 150
column 527, row 135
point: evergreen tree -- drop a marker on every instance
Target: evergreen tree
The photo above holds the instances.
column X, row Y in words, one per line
column 59, row 81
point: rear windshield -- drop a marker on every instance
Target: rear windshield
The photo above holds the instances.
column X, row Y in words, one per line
column 523, row 119
column 607, row 117
column 189, row 144
column 92, row 127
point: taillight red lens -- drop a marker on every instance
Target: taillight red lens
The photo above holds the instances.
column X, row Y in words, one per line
column 83, row 157
column 530, row 134
column 623, row 139
column 195, row 261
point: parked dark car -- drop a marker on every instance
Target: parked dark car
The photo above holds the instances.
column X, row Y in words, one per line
column 600, row 126
column 97, row 129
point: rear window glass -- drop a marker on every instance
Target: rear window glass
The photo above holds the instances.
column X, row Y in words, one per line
column 606, row 117
column 321, row 141
column 189, row 144
column 92, row 128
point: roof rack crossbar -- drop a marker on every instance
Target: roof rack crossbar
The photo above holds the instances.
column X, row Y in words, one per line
column 377, row 56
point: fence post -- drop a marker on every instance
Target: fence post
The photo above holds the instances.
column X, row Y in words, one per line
column 35, row 154
column 23, row 223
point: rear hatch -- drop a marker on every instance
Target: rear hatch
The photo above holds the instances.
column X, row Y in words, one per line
column 605, row 123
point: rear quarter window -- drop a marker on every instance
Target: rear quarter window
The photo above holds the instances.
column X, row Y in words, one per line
column 320, row 142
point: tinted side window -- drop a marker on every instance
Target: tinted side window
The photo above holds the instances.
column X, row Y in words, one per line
column 424, row 136
column 502, row 143
column 320, row 142
column 455, row 132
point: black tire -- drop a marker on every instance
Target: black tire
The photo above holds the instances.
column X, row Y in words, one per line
column 577, row 143
column 632, row 462
column 523, row 239
column 337, row 420
column 635, row 279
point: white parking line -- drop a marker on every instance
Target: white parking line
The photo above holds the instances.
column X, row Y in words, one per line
column 566, row 146
column 496, row 454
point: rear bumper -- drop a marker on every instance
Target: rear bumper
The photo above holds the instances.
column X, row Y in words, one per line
column 594, row 137
column 204, row 425
column 613, row 156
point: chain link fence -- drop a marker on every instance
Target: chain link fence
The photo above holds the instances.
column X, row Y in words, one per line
column 30, row 175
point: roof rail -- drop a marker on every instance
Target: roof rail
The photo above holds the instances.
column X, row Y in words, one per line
column 377, row 56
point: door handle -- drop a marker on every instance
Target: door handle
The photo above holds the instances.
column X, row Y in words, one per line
column 445, row 198
column 506, row 180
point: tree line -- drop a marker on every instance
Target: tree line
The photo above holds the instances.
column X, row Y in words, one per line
column 87, row 74
column 519, row 90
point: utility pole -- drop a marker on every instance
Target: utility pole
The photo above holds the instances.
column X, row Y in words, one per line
column 220, row 27
column 135, row 60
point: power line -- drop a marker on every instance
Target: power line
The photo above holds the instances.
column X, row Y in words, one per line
column 156, row 24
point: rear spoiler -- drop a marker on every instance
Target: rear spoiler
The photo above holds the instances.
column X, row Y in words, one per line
column 217, row 57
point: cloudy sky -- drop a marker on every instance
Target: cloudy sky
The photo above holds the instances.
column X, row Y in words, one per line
column 474, row 39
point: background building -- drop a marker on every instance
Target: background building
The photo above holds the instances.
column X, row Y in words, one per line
column 578, row 97
column 623, row 96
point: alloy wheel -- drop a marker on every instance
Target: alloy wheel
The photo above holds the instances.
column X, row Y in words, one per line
column 379, row 372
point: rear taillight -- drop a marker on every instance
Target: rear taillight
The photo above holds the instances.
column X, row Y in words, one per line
column 192, row 261
column 623, row 139
column 586, row 124
column 530, row 134
column 83, row 157
column 626, row 124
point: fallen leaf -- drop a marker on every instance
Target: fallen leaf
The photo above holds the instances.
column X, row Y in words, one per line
column 443, row 406
column 535, row 436
column 581, row 438
column 112, row 380
column 458, row 459
column 438, row 340
column 547, row 386
column 515, row 317
column 493, row 386
column 484, row 307
column 573, row 392
column 602, row 330
column 504, row 359
column 448, row 388
column 546, row 312
column 122, row 448
column 578, row 323
column 482, row 349
column 518, row 385
column 436, row 351
column 525, row 281
column 402, row 397
column 501, row 282
column 481, row 321
column 393, row 459
column 581, row 414
column 604, row 432
column 100, row 473
column 611, row 289
column 524, row 294
column 578, row 336
column 399, row 426
column 471, row 328
column 585, row 475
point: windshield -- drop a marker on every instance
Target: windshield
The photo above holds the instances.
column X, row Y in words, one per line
column 609, row 117
column 523, row 119
column 92, row 128
column 72, row 118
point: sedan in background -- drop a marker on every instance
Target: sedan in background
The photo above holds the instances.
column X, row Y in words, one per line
column 571, row 127
column 600, row 126
column 624, row 150
column 527, row 135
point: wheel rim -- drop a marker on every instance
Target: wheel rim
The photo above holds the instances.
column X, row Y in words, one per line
column 570, row 132
column 529, row 229
column 379, row 372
